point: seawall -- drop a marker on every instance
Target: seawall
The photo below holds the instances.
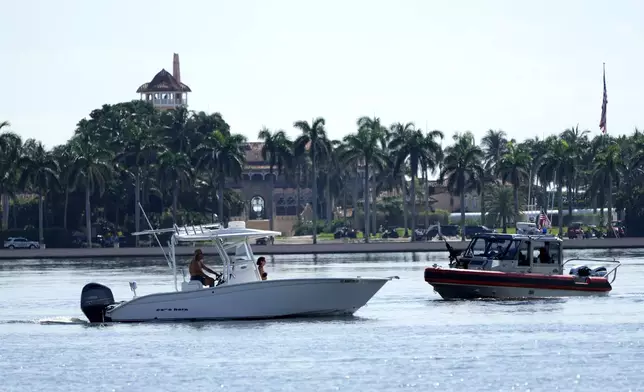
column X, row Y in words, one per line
column 276, row 249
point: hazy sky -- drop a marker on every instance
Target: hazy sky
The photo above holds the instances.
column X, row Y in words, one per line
column 529, row 68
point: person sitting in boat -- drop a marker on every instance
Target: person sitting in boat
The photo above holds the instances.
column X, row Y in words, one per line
column 544, row 257
column 261, row 262
column 196, row 270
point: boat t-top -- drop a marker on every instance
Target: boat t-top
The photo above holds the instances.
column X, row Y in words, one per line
column 509, row 266
column 239, row 291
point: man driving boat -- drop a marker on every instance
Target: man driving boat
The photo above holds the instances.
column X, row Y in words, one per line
column 196, row 270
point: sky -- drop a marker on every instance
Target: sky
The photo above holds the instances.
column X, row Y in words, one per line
column 528, row 68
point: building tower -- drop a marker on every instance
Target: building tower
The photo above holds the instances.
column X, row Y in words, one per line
column 165, row 91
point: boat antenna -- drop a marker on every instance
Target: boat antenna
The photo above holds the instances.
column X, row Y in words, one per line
column 155, row 235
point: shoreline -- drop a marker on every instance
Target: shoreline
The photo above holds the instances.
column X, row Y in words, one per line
column 294, row 249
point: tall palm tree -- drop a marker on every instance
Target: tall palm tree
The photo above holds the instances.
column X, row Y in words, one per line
column 10, row 150
column 462, row 167
column 606, row 172
column 513, row 168
column 315, row 140
column 230, row 159
column 494, row 145
column 63, row 156
column 39, row 171
column 175, row 169
column 577, row 143
column 554, row 169
column 137, row 150
column 91, row 167
column 277, row 151
column 537, row 149
column 403, row 132
column 366, row 148
column 420, row 150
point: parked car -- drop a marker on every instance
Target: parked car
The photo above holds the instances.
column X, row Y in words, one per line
column 20, row 243
column 529, row 228
column 345, row 232
column 265, row 241
column 390, row 233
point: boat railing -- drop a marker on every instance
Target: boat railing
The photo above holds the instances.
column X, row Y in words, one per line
column 616, row 264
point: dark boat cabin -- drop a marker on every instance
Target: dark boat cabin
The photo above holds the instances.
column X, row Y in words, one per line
column 513, row 253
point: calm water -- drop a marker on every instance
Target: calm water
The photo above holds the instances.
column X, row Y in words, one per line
column 406, row 338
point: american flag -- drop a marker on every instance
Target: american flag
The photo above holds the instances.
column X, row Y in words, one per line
column 602, row 122
column 543, row 220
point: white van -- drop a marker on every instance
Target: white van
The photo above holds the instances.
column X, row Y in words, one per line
column 529, row 228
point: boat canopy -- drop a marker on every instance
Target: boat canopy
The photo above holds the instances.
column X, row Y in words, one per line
column 224, row 234
column 210, row 232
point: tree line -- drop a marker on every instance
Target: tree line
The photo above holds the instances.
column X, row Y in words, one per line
column 180, row 165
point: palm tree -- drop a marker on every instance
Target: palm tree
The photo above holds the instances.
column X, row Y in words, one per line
column 315, row 140
column 138, row 148
column 10, row 150
column 422, row 151
column 462, row 167
column 513, row 168
column 40, row 171
column 230, row 162
column 366, row 148
column 554, row 169
column 63, row 156
column 577, row 143
column 494, row 145
column 606, row 173
column 179, row 133
column 91, row 167
column 277, row 151
column 401, row 131
column 537, row 149
column 500, row 205
column 175, row 169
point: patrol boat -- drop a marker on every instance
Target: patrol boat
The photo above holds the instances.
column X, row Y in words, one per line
column 512, row 266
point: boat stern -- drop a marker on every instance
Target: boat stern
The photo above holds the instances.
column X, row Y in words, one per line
column 95, row 299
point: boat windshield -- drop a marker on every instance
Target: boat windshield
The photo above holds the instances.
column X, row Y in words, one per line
column 500, row 248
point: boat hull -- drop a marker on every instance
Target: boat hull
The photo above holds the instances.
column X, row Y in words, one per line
column 472, row 284
column 252, row 300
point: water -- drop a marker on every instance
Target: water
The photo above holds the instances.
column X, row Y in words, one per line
column 406, row 338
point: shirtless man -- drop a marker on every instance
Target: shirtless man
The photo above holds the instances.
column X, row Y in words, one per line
column 196, row 270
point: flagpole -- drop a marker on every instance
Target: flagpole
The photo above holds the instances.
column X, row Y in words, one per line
column 602, row 121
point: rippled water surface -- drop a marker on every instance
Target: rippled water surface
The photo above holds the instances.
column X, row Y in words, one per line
column 406, row 338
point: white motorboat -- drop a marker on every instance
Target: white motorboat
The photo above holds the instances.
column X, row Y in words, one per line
column 239, row 291
column 510, row 266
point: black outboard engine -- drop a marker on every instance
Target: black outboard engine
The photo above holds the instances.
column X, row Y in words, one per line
column 584, row 271
column 95, row 298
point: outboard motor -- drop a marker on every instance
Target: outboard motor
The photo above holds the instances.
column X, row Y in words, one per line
column 586, row 271
column 581, row 271
column 95, row 298
column 599, row 271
